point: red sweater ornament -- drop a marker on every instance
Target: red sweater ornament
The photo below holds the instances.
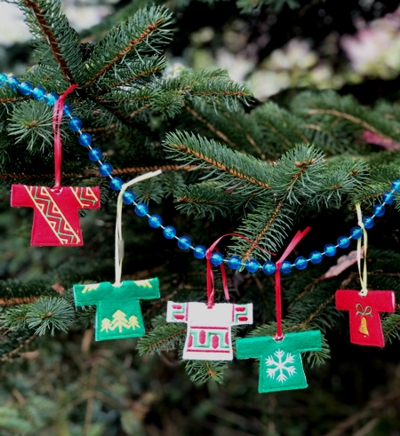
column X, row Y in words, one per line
column 365, row 321
column 56, row 218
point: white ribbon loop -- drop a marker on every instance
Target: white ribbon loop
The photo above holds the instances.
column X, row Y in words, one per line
column 119, row 242
column 363, row 274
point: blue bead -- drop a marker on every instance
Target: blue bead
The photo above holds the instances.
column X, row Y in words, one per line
column 105, row 169
column 378, row 210
column 343, row 241
column 252, row 265
column 95, row 154
column 388, row 197
column 51, row 98
column 396, row 185
column 25, row 88
column 286, row 267
column 316, row 257
column 128, row 197
column 234, row 262
column 269, row 267
column 301, row 263
column 141, row 209
column 116, row 184
column 13, row 81
column 356, row 232
column 85, row 139
column 3, row 79
column 330, row 250
column 75, row 124
column 217, row 258
column 67, row 110
column 38, row 93
column 155, row 221
column 184, row 243
column 368, row 222
column 199, row 252
column 169, row 232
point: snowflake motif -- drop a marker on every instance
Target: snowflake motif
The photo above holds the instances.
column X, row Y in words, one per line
column 280, row 366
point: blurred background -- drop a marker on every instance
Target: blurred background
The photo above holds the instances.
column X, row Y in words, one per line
column 351, row 46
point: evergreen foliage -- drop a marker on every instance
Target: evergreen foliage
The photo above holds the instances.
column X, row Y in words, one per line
column 230, row 164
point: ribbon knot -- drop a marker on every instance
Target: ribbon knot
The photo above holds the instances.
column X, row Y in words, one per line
column 363, row 312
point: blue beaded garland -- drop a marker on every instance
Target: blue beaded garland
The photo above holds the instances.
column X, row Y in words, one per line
column 184, row 243
column 343, row 241
column 217, row 258
column 356, row 232
column 234, row 262
column 105, row 169
column 95, row 154
column 316, row 257
column 3, row 79
column 155, row 221
column 252, row 266
column 199, row 252
column 301, row 263
column 51, row 98
column 269, row 267
column 116, row 184
column 368, row 222
column 379, row 210
column 75, row 124
column 38, row 93
column 330, row 250
column 14, row 82
column 141, row 209
column 85, row 139
column 128, row 197
column 388, row 197
column 396, row 185
column 25, row 88
column 67, row 110
column 286, row 267
column 169, row 232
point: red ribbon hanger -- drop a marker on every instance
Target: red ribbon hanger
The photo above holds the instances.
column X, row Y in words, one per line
column 210, row 274
column 278, row 294
column 57, row 120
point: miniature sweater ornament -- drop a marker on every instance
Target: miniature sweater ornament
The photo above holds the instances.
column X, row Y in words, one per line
column 208, row 324
column 118, row 313
column 56, row 219
column 281, row 367
column 365, row 306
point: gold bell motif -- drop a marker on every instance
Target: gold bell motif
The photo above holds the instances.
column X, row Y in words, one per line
column 363, row 327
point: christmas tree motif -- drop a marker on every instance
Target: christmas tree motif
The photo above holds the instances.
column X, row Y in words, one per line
column 133, row 322
column 118, row 313
column 119, row 321
column 106, row 325
column 280, row 366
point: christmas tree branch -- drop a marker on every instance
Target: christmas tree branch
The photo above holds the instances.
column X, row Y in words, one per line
column 7, row 357
column 52, row 40
column 209, row 125
column 93, row 173
column 263, row 231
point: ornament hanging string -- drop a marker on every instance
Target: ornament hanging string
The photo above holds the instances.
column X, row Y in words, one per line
column 57, row 120
column 363, row 274
column 210, row 274
column 278, row 294
column 119, row 242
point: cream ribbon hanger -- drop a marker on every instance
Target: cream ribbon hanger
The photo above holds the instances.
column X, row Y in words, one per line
column 119, row 242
